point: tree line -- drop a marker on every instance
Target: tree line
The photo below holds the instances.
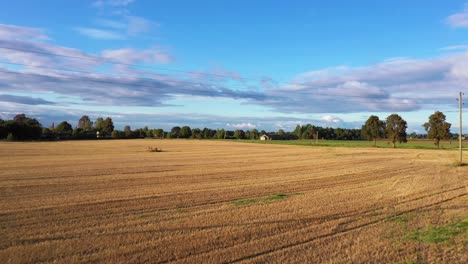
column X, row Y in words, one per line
column 392, row 128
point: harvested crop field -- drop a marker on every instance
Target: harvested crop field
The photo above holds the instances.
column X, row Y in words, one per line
column 221, row 202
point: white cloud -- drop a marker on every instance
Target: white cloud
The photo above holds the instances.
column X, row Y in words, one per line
column 459, row 19
column 44, row 76
column 217, row 74
column 394, row 86
column 331, row 119
column 242, row 126
column 122, row 27
column 455, row 47
column 12, row 32
column 137, row 25
column 109, row 23
column 459, row 69
column 114, row 3
column 130, row 56
column 100, row 33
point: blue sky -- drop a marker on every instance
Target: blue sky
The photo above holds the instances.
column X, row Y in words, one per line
column 233, row 64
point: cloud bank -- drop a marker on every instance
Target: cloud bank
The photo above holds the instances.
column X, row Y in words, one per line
column 397, row 85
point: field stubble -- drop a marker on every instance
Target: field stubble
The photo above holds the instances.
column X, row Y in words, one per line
column 216, row 201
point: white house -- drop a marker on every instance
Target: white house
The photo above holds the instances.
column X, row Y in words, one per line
column 264, row 137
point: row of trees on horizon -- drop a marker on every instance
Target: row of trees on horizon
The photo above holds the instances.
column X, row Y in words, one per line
column 392, row 128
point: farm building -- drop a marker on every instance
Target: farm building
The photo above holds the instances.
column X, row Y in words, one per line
column 264, row 137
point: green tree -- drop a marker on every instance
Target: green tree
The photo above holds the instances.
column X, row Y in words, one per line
column 185, row 132
column 437, row 128
column 85, row 123
column 10, row 137
column 128, row 131
column 139, row 133
column 220, row 133
column 239, row 134
column 396, row 129
column 77, row 133
column 23, row 127
column 254, row 134
column 99, row 124
column 3, row 129
column 308, row 132
column 64, row 127
column 298, row 131
column 117, row 134
column 196, row 133
column 373, row 129
column 175, row 132
column 47, row 133
column 108, row 125
column 158, row 133
column 208, row 133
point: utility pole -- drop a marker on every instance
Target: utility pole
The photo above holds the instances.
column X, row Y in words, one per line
column 460, row 137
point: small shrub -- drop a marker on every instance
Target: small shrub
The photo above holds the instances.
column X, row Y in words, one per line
column 10, row 137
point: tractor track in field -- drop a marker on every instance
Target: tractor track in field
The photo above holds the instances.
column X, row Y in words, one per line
column 342, row 231
column 323, row 220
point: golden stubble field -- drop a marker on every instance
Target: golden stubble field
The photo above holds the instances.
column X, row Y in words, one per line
column 222, row 202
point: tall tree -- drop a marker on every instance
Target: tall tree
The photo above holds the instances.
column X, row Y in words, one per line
column 127, row 131
column 437, row 128
column 64, row 127
column 99, row 124
column 281, row 132
column 196, row 133
column 85, row 123
column 3, row 129
column 308, row 132
column 20, row 118
column 396, row 129
column 158, row 133
column 239, row 134
column 175, row 132
column 185, row 132
column 23, row 127
column 373, row 129
column 220, row 133
column 108, row 125
column 298, row 131
column 254, row 134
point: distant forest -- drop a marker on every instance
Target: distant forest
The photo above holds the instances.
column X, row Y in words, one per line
column 22, row 127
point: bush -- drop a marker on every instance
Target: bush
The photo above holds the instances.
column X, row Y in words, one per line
column 10, row 137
